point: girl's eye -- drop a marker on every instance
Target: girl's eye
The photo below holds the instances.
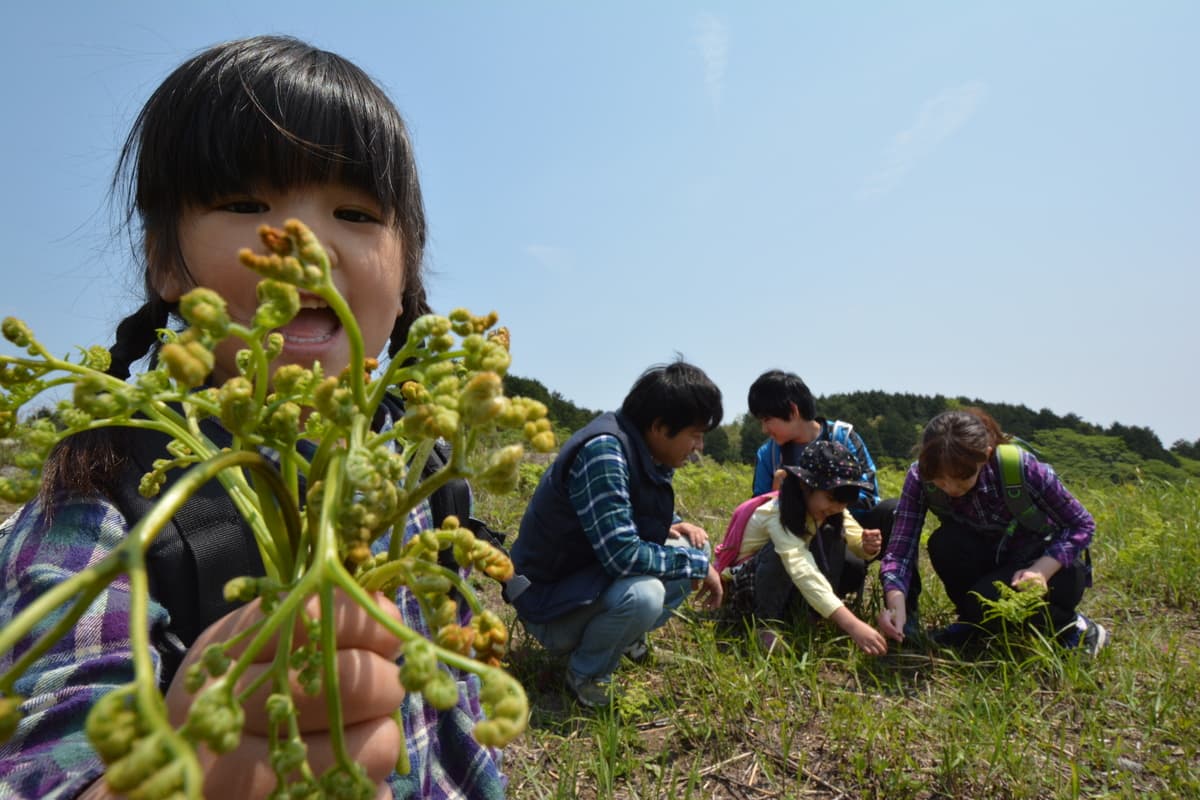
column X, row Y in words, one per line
column 244, row 207
column 355, row 215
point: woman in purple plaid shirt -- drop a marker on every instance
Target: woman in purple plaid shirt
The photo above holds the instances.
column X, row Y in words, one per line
column 246, row 133
column 979, row 541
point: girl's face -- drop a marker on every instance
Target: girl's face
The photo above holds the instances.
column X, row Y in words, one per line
column 957, row 487
column 365, row 252
column 822, row 505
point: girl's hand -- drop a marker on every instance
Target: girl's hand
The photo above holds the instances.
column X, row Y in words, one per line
column 892, row 618
column 693, row 533
column 869, row 640
column 872, row 541
column 370, row 690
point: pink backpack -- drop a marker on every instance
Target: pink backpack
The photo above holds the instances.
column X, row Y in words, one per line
column 726, row 554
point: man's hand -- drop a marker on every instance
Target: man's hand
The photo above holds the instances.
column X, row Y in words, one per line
column 693, row 533
column 777, row 479
column 711, row 590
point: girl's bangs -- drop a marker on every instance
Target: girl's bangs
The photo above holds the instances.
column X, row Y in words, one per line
column 308, row 127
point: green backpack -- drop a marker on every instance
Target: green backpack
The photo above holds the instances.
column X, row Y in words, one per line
column 1012, row 483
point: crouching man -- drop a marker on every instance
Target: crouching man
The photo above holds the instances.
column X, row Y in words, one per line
column 601, row 557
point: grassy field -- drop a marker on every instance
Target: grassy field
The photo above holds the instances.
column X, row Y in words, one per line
column 713, row 717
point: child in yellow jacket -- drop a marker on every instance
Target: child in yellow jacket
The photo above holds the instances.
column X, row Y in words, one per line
column 803, row 548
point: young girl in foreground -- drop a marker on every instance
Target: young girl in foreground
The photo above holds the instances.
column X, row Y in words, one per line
column 247, row 133
column 976, row 544
column 803, row 550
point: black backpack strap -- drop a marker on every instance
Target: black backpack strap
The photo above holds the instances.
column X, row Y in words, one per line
column 197, row 552
column 452, row 499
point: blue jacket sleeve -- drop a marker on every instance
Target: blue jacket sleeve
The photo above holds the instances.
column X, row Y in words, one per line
column 765, row 462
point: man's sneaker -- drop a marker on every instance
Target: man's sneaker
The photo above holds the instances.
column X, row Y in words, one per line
column 1088, row 635
column 639, row 650
column 589, row 693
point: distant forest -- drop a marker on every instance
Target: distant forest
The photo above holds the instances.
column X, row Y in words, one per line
column 891, row 423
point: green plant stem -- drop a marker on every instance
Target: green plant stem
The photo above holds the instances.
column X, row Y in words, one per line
column 434, row 482
column 357, row 365
column 399, row 629
column 395, row 568
column 327, row 563
column 151, row 706
column 330, row 683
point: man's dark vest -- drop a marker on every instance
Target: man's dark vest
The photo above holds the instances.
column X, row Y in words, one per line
column 552, row 550
column 207, row 543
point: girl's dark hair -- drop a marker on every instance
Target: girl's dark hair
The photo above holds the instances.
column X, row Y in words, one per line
column 677, row 394
column 266, row 111
column 793, row 500
column 955, row 443
column 793, row 506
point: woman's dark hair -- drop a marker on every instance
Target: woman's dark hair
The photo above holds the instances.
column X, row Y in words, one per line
column 677, row 394
column 773, row 392
column 267, row 111
column 955, row 443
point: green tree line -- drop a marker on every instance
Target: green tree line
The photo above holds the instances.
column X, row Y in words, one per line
column 890, row 423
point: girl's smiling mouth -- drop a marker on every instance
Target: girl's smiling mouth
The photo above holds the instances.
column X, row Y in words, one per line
column 314, row 324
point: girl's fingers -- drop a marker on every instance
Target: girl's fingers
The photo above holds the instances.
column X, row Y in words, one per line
column 369, row 685
column 247, row 773
column 356, row 629
column 366, row 668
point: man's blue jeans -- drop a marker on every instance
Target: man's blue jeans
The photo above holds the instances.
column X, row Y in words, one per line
column 597, row 634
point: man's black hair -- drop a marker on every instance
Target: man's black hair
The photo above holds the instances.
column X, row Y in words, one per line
column 773, row 392
column 677, row 394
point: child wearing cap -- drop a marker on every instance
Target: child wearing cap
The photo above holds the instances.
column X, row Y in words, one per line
column 802, row 548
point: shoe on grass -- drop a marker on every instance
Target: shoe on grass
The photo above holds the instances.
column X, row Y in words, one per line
column 638, row 650
column 955, row 635
column 768, row 640
column 1087, row 635
column 913, row 633
column 589, row 692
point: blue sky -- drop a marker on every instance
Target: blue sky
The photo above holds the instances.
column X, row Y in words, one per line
column 993, row 200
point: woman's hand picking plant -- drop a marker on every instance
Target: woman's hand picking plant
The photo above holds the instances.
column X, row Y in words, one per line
column 287, row 689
